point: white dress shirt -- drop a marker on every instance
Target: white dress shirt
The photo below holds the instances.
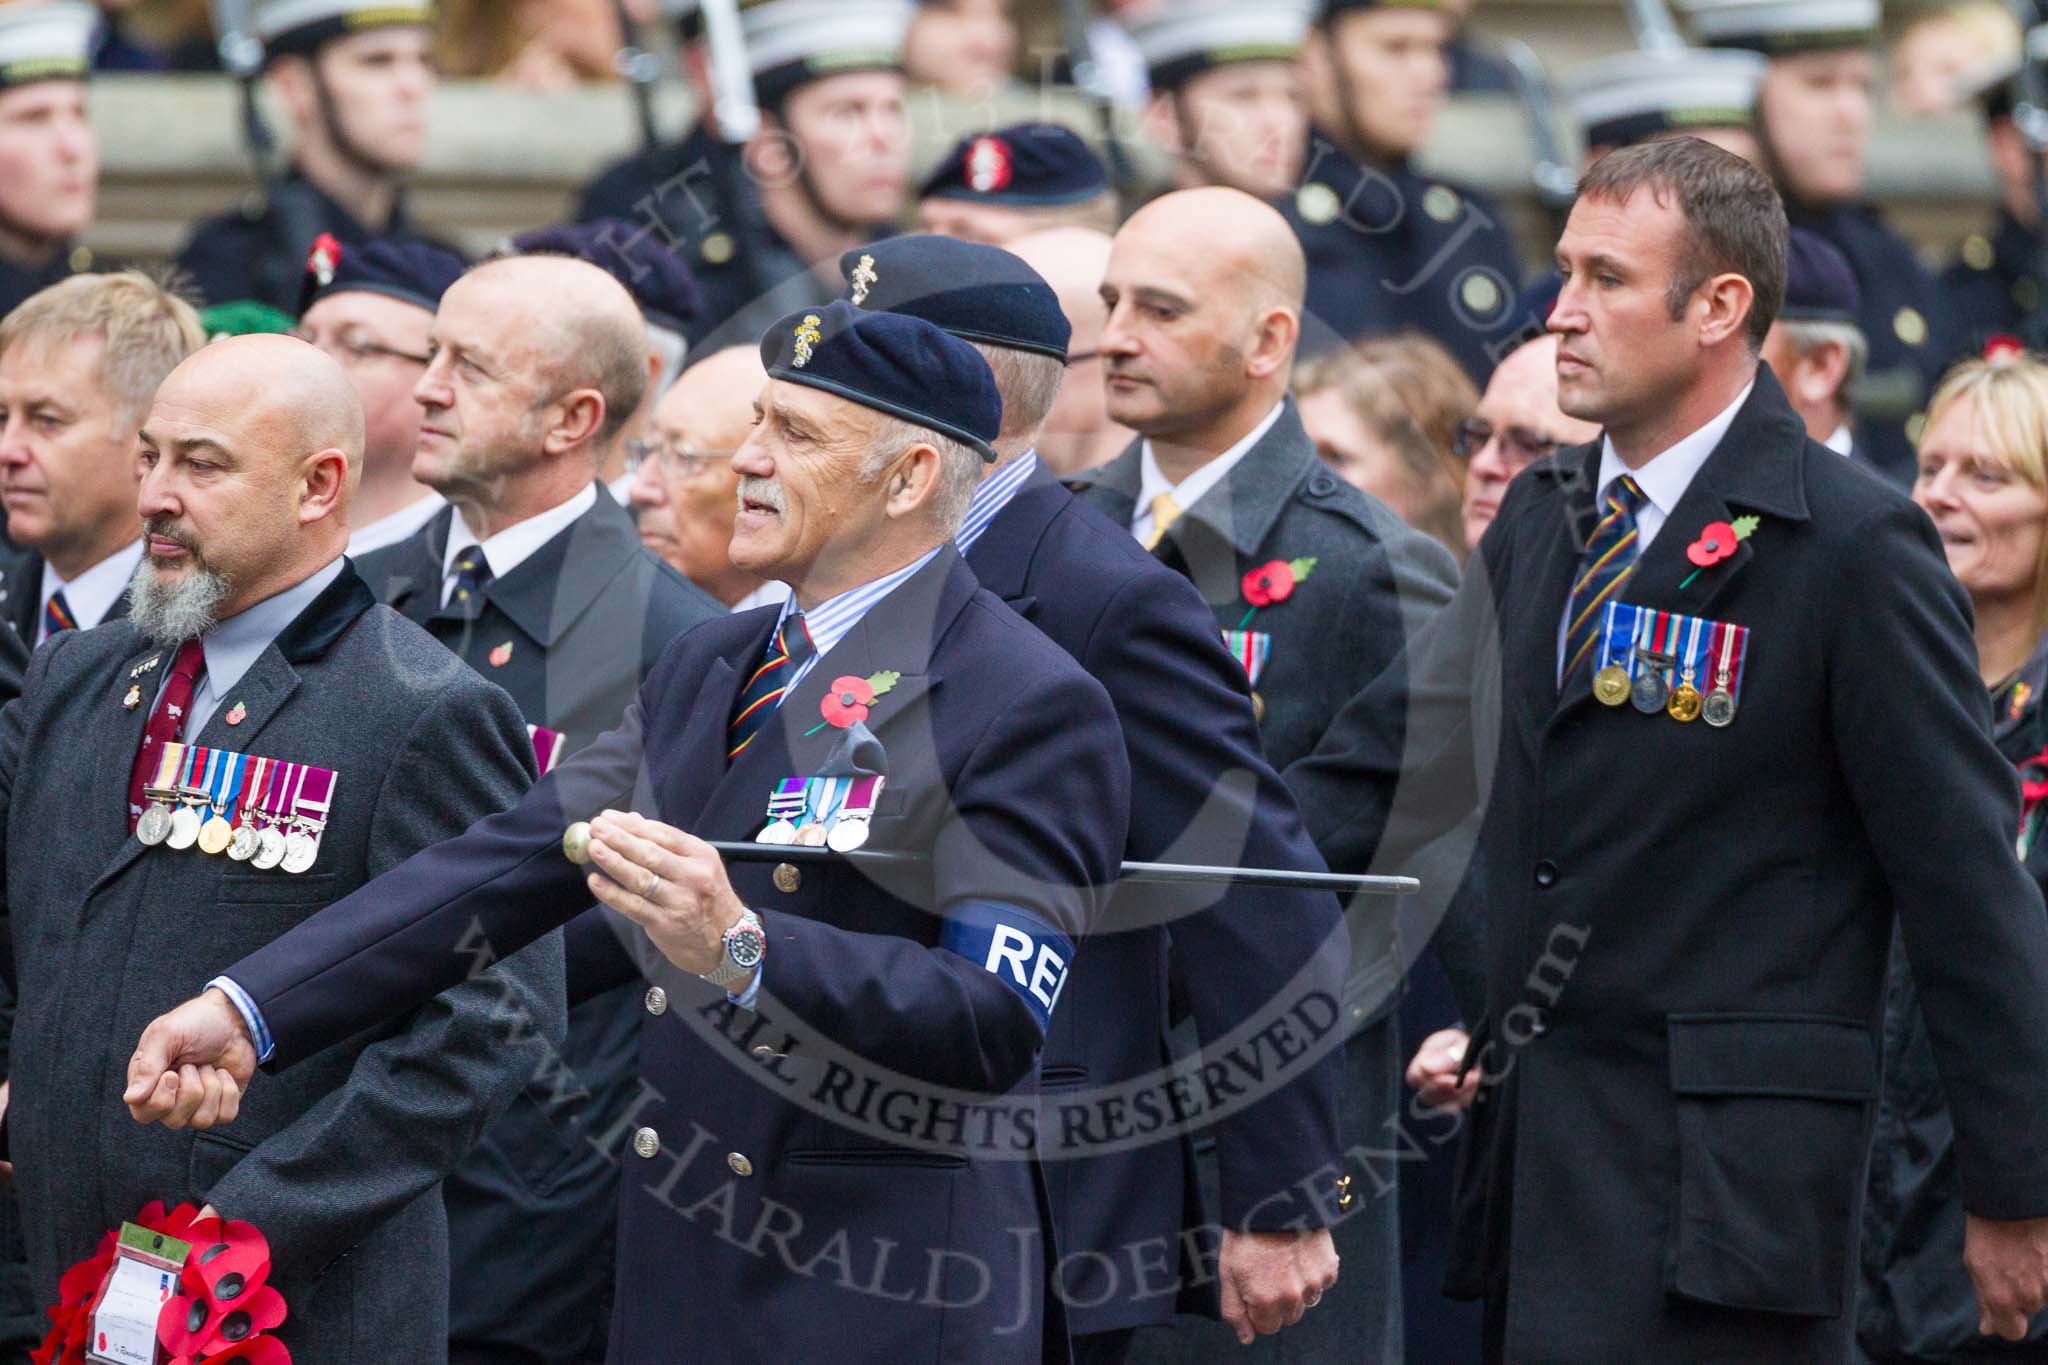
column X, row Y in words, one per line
column 93, row 593
column 1842, row 441
column 772, row 593
column 1663, row 479
column 397, row 526
column 1152, row 481
column 516, row 544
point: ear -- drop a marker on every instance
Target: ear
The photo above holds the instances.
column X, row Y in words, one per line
column 1162, row 123
column 292, row 79
column 911, row 482
column 323, row 484
column 1817, row 377
column 1271, row 347
column 772, row 153
column 576, row 417
column 1727, row 301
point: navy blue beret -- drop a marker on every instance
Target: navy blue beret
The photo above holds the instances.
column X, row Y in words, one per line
column 1024, row 166
column 976, row 292
column 1820, row 285
column 638, row 259
column 417, row 272
column 890, row 362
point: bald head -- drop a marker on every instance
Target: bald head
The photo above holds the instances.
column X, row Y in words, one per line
column 1226, row 239
column 1204, row 291
column 711, row 404
column 283, row 398
column 587, row 330
column 248, row 457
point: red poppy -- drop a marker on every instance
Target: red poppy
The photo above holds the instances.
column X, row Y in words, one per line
column 225, row 1299
column 1269, row 583
column 2002, row 346
column 848, row 701
column 1716, row 543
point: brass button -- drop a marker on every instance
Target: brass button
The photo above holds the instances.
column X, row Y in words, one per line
column 740, row 1165
column 787, row 878
column 646, row 1142
column 657, row 1000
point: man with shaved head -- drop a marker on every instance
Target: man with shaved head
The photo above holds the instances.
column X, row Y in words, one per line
column 1314, row 586
column 536, row 578
column 252, row 647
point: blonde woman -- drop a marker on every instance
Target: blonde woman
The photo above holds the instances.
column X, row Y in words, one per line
column 1983, row 480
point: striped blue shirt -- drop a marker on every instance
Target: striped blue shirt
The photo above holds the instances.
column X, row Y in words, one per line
column 829, row 622
column 991, row 496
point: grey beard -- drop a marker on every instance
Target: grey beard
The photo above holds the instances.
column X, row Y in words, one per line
column 172, row 614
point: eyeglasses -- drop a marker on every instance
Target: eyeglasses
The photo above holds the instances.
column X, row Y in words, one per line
column 355, row 347
column 1521, row 445
column 677, row 462
column 1081, row 357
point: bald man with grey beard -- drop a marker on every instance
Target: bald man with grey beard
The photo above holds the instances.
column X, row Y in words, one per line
column 537, row 579
column 254, row 640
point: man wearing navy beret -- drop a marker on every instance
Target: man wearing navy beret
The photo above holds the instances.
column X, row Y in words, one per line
column 1183, row 705
column 370, row 308
column 831, row 1148
column 995, row 187
column 1815, row 345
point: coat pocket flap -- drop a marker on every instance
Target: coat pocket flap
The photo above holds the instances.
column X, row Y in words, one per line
column 1802, row 1056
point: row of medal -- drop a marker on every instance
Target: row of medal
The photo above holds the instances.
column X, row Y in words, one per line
column 261, row 811
column 830, row 811
column 1687, row 667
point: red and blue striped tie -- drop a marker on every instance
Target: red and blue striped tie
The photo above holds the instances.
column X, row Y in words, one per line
column 1610, row 555
column 57, row 614
column 787, row 651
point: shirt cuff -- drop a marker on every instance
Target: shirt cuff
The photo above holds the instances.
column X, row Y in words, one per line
column 253, row 1017
column 745, row 1000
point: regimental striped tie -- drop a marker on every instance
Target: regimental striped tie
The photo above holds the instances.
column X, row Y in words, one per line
column 57, row 614
column 1610, row 555
column 758, row 700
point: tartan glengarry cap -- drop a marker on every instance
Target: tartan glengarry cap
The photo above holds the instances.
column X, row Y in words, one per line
column 1026, row 165
column 976, row 292
column 301, row 26
column 46, row 42
column 892, row 363
column 1633, row 96
column 1183, row 38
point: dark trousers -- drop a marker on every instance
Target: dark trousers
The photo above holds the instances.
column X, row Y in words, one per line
column 1103, row 1348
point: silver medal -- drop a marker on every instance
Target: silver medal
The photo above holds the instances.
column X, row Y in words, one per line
column 184, row 827
column 1719, row 708
column 243, row 846
column 848, row 833
column 300, row 849
column 154, row 826
column 269, row 849
column 776, row 832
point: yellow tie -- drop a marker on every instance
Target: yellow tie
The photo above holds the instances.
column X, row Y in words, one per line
column 1165, row 512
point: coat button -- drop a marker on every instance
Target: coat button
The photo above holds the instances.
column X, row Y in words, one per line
column 1322, row 484
column 763, row 1051
column 646, row 1142
column 787, row 878
column 657, row 1000
column 1546, row 873
column 739, row 1163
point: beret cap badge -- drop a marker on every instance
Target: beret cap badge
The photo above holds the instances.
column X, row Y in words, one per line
column 807, row 335
column 863, row 279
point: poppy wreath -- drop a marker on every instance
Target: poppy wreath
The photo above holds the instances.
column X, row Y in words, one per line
column 223, row 1312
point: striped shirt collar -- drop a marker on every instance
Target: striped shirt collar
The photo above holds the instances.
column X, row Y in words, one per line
column 834, row 619
column 991, row 496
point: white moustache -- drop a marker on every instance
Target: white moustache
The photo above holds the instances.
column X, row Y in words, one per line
column 760, row 490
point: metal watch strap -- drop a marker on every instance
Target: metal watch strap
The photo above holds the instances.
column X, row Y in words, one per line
column 729, row 972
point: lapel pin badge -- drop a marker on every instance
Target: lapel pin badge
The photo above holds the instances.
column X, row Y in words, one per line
column 237, row 713
column 133, row 699
column 502, row 655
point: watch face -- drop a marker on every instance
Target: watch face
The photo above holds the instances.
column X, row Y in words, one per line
column 745, row 947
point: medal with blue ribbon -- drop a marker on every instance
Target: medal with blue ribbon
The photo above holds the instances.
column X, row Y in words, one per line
column 1684, row 702
column 823, row 796
column 1611, row 676
column 200, row 766
column 223, row 787
column 785, row 807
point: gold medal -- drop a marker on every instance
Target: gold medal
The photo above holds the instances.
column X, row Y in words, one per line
column 1684, row 703
column 811, row 836
column 1610, row 685
column 215, row 835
